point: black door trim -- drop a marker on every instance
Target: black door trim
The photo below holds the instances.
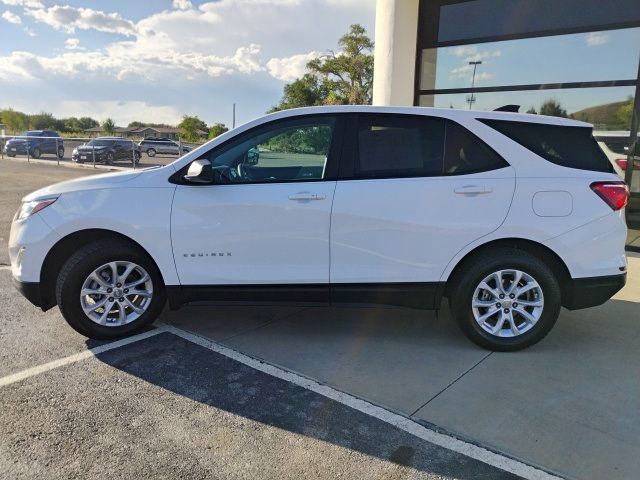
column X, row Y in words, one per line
column 422, row 295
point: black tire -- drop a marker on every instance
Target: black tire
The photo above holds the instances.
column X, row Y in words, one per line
column 471, row 275
column 11, row 156
column 109, row 159
column 35, row 153
column 151, row 152
column 60, row 153
column 78, row 267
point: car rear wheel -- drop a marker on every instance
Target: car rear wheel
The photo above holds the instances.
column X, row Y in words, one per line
column 35, row 153
column 61, row 152
column 151, row 152
column 109, row 158
column 108, row 289
column 505, row 300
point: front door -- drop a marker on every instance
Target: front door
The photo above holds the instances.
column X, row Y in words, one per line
column 266, row 218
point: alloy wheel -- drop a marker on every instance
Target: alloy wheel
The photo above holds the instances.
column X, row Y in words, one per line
column 507, row 303
column 116, row 293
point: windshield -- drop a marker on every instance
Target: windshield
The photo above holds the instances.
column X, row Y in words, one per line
column 100, row 143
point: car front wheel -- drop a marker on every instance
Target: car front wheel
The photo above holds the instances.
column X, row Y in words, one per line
column 35, row 153
column 60, row 153
column 505, row 300
column 151, row 152
column 108, row 289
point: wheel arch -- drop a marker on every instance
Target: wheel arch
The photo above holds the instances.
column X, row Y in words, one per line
column 62, row 250
column 544, row 253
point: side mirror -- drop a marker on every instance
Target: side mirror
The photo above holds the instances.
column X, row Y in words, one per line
column 200, row 172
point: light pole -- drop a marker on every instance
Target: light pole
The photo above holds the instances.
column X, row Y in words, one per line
column 471, row 99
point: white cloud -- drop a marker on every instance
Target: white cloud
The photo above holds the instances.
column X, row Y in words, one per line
column 182, row 4
column 288, row 69
column 68, row 19
column 595, row 39
column 466, row 72
column 29, row 31
column 473, row 54
column 11, row 17
column 23, row 3
column 71, row 43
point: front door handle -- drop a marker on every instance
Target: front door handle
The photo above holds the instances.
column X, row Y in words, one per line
column 473, row 190
column 307, row 196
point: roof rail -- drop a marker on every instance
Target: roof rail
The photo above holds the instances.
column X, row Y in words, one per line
column 508, row 108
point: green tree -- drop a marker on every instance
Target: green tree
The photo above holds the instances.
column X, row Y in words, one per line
column 532, row 110
column 553, row 109
column 624, row 114
column 15, row 121
column 87, row 122
column 217, row 129
column 189, row 127
column 343, row 78
column 41, row 121
column 109, row 126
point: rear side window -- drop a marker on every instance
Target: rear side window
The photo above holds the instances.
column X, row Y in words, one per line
column 392, row 146
column 465, row 153
column 399, row 146
column 572, row 147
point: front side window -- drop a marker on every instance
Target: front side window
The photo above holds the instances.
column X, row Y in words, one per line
column 288, row 151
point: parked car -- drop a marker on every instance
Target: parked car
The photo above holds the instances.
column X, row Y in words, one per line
column 107, row 150
column 509, row 216
column 162, row 146
column 615, row 145
column 35, row 143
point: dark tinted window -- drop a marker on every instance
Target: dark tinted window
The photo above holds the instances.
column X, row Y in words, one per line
column 572, row 147
column 465, row 153
column 405, row 146
column 396, row 146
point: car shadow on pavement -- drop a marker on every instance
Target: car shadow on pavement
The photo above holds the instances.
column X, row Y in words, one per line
column 207, row 377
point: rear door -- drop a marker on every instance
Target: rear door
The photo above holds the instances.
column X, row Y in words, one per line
column 414, row 191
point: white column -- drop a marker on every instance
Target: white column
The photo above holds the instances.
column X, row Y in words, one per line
column 395, row 52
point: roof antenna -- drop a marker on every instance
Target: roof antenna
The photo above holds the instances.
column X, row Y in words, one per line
column 508, row 108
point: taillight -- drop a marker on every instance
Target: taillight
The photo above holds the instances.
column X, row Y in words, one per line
column 615, row 194
column 622, row 163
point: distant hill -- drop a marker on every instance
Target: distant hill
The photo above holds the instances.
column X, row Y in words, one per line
column 601, row 114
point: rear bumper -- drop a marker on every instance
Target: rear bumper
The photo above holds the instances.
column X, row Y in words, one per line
column 591, row 291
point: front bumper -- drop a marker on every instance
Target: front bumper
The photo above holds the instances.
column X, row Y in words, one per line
column 29, row 290
column 591, row 291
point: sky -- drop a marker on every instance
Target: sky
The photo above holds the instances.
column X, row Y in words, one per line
column 156, row 60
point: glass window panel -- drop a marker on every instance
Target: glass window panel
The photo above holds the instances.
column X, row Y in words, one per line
column 511, row 17
column 596, row 56
column 607, row 108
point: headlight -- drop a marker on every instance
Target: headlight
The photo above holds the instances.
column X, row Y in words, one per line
column 75, row 151
column 29, row 208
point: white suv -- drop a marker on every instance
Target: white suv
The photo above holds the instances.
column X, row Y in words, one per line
column 510, row 216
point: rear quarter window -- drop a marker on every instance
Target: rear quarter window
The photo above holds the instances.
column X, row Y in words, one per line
column 568, row 146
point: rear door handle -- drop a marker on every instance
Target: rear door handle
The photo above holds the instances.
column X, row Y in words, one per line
column 473, row 190
column 307, row 196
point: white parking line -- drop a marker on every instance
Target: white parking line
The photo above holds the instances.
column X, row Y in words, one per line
column 403, row 423
column 30, row 372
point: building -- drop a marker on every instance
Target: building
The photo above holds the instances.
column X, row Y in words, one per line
column 584, row 55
